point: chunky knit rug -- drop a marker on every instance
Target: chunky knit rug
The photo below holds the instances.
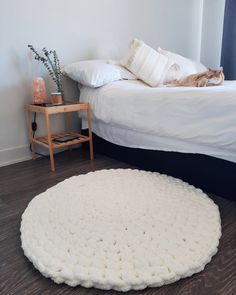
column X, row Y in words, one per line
column 120, row 229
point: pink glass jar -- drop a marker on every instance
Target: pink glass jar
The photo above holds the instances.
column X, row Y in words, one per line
column 39, row 91
column 56, row 98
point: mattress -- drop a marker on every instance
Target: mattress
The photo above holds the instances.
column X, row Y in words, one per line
column 183, row 119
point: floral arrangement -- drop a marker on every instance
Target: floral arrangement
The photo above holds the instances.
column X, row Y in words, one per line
column 50, row 60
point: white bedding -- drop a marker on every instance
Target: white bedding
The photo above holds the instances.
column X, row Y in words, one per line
column 182, row 119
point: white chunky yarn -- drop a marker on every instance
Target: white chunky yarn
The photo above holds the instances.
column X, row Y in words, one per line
column 120, row 229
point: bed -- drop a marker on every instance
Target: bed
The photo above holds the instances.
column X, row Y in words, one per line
column 181, row 121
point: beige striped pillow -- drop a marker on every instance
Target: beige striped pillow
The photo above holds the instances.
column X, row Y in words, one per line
column 146, row 63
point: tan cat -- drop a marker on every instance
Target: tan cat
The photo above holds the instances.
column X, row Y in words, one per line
column 208, row 78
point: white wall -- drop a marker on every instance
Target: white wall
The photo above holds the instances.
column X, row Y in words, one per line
column 79, row 29
column 212, row 32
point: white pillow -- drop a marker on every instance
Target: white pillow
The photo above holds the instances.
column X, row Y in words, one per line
column 199, row 67
column 92, row 73
column 146, row 63
column 125, row 74
column 187, row 66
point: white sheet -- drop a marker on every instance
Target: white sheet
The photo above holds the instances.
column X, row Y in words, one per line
column 183, row 119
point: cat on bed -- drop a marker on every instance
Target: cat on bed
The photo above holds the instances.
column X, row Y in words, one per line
column 208, row 78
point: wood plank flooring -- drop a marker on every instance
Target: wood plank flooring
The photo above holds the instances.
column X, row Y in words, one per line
column 19, row 183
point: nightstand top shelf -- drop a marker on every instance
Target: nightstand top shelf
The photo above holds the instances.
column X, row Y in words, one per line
column 57, row 109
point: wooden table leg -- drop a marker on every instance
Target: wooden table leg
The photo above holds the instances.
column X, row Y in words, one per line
column 29, row 121
column 90, row 133
column 50, row 142
column 68, row 121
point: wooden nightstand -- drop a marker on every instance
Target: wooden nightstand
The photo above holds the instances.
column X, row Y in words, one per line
column 47, row 141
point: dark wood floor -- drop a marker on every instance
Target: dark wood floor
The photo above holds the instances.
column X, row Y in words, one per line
column 19, row 183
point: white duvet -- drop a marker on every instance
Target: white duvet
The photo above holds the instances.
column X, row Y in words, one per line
column 183, row 119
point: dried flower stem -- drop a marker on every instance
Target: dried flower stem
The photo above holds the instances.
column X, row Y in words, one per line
column 51, row 64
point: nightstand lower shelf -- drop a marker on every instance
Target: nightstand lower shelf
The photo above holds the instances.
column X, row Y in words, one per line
column 43, row 140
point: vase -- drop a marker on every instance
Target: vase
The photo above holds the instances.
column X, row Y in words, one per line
column 39, row 91
column 56, row 98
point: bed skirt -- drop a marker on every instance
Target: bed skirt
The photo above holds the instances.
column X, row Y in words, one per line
column 211, row 174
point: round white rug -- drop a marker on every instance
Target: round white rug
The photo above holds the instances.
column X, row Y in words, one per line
column 120, row 229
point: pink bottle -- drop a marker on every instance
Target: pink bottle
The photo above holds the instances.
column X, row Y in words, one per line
column 39, row 91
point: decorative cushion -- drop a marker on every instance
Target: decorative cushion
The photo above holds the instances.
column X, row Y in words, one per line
column 120, row 229
column 172, row 74
column 186, row 66
column 146, row 63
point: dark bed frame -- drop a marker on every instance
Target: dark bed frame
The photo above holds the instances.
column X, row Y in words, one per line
column 211, row 174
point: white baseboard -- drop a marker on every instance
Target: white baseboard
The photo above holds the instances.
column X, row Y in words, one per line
column 14, row 155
